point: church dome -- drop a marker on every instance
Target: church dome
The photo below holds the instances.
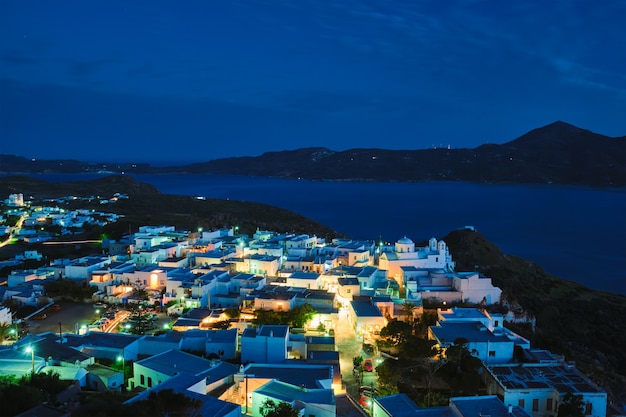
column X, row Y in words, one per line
column 405, row 241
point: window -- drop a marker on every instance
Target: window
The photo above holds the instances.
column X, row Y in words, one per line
column 492, row 353
column 496, row 323
column 535, row 404
column 520, row 402
column 588, row 408
column 549, row 404
column 149, row 382
column 142, row 380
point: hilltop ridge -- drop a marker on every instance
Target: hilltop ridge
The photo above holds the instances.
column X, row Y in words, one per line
column 558, row 153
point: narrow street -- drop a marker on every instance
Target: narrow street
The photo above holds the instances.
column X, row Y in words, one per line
column 350, row 346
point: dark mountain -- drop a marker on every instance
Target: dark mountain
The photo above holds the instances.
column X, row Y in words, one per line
column 105, row 186
column 558, row 153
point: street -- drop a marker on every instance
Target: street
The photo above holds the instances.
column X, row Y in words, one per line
column 71, row 317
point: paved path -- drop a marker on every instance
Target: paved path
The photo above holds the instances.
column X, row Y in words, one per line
column 350, row 346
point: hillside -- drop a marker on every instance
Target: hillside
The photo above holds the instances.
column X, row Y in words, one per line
column 146, row 205
column 578, row 322
column 558, row 153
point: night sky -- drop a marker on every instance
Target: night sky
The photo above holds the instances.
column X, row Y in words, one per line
column 172, row 82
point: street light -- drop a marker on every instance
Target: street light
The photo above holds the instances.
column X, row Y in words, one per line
column 120, row 358
column 32, row 358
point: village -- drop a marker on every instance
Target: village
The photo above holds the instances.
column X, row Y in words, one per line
column 236, row 320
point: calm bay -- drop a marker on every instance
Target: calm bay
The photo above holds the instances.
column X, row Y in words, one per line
column 575, row 233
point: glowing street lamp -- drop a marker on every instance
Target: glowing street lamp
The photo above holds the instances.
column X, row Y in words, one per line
column 32, row 358
column 120, row 358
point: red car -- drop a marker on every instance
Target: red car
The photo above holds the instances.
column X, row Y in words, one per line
column 367, row 365
column 41, row 316
column 365, row 401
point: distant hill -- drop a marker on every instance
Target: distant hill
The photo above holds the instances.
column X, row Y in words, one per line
column 557, row 153
column 146, row 205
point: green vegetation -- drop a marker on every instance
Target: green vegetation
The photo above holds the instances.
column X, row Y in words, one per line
column 582, row 324
column 66, row 289
column 139, row 322
column 20, row 394
column 165, row 402
column 426, row 374
column 270, row 408
column 571, row 406
column 296, row 317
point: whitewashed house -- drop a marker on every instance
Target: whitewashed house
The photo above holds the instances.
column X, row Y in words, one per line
column 266, row 344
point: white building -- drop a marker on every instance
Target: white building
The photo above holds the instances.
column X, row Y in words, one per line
column 267, row 344
column 404, row 253
column 15, row 200
column 438, row 284
column 5, row 315
column 487, row 338
column 539, row 387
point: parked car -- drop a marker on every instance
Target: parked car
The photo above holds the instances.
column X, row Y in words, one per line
column 54, row 307
column 365, row 401
column 367, row 365
column 367, row 390
column 41, row 316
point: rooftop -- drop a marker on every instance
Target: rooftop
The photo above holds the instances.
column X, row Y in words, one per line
column 364, row 308
column 174, row 361
column 564, row 378
column 288, row 392
column 472, row 331
column 298, row 374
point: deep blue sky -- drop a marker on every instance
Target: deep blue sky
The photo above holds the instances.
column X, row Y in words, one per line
column 197, row 80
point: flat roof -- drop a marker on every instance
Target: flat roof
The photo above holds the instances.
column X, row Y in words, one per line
column 364, row 308
column 288, row 392
column 298, row 374
column 486, row 405
column 564, row 378
column 175, row 361
column 472, row 331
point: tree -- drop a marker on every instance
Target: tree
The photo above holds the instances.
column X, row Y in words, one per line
column 269, row 408
column 571, row 406
column 398, row 332
column 301, row 315
column 167, row 403
column 429, row 318
column 232, row 313
column 20, row 394
column 296, row 317
column 5, row 331
column 418, row 348
column 430, row 367
column 408, row 309
column 222, row 325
